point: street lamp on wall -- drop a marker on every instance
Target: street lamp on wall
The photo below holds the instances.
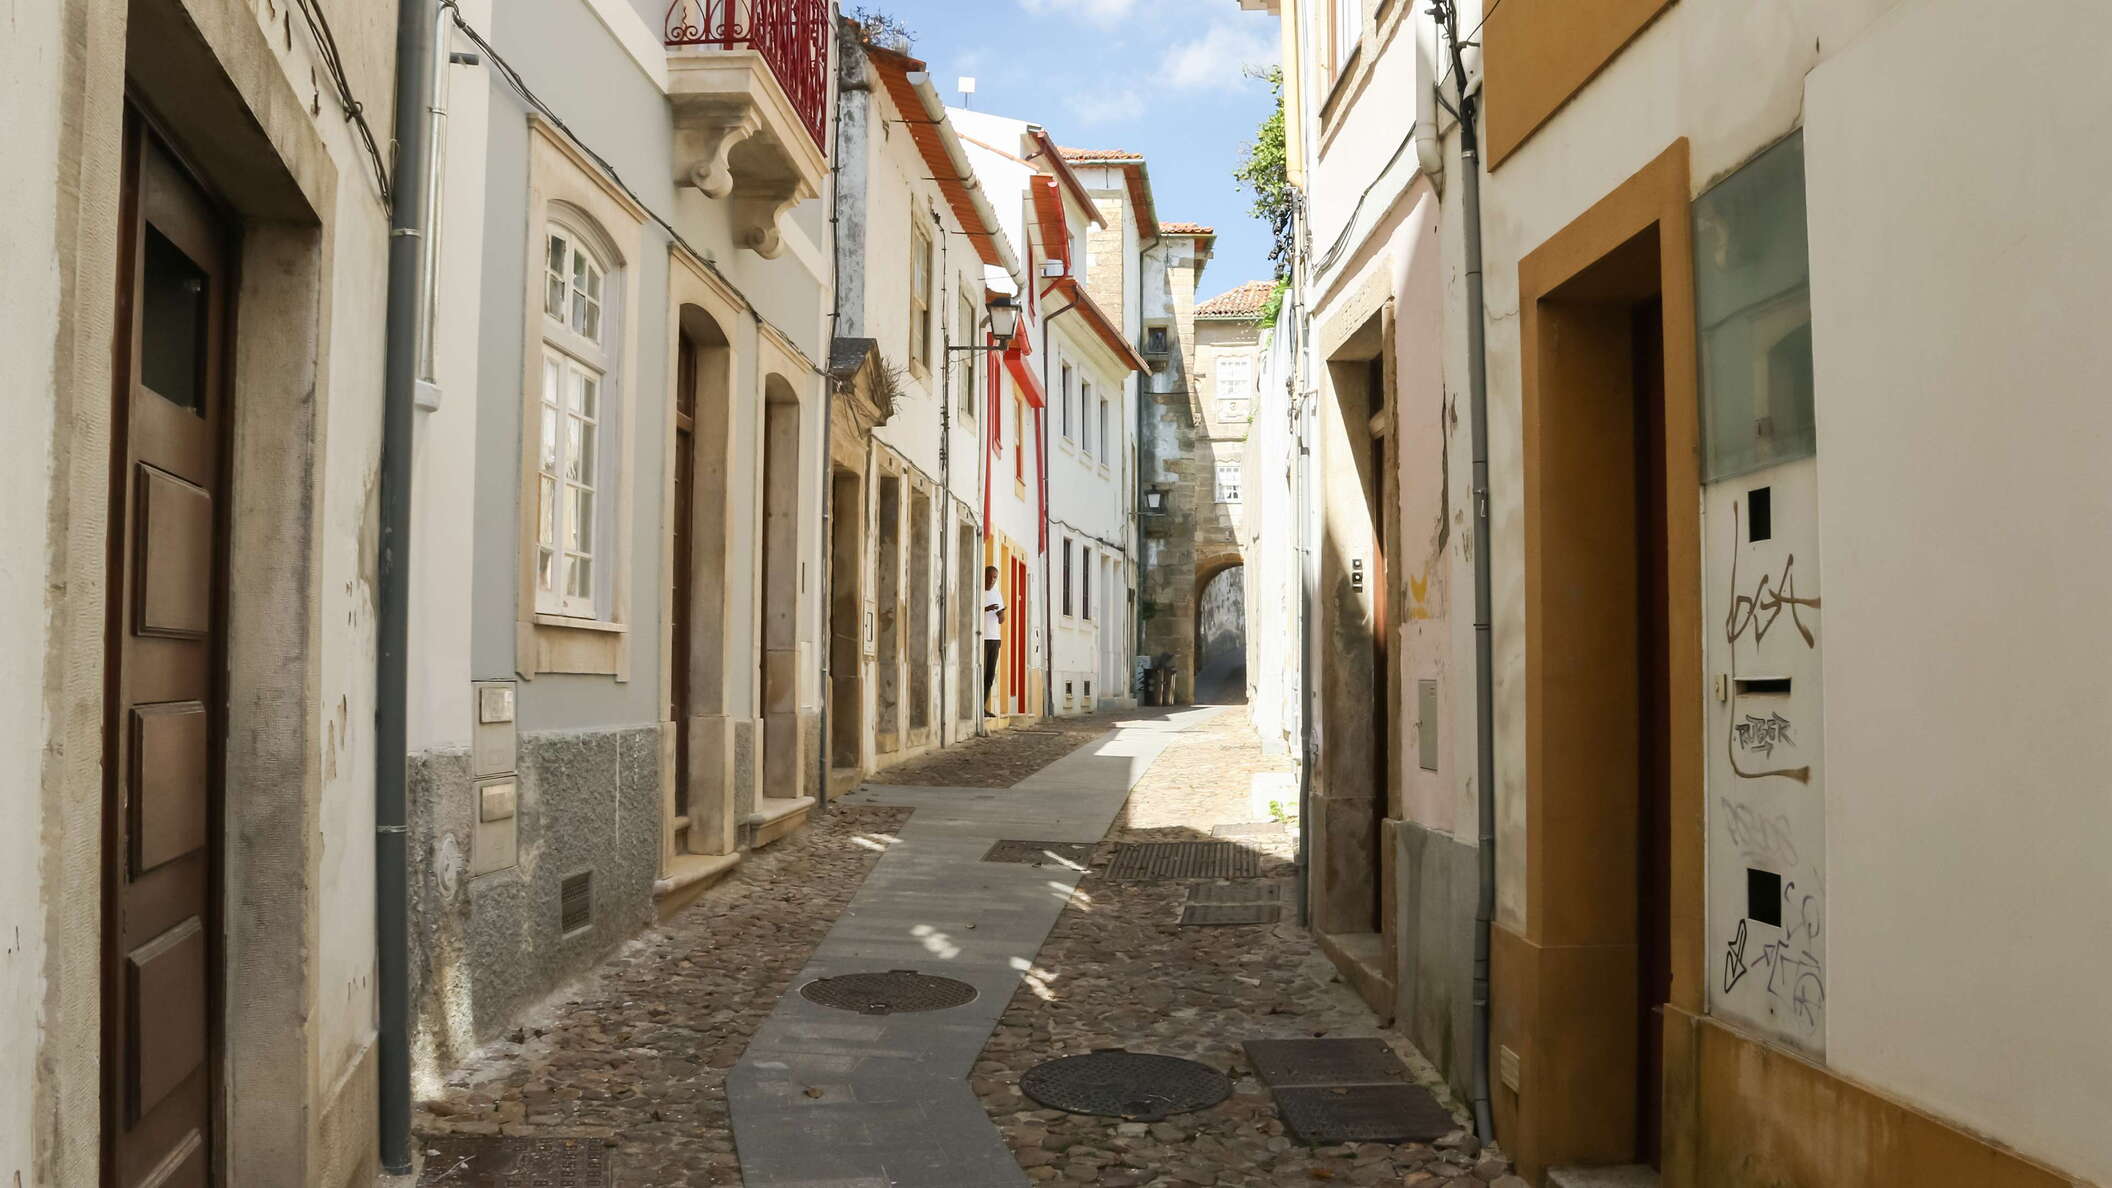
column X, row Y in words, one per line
column 1004, row 323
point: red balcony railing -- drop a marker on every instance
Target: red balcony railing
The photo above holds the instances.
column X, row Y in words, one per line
column 791, row 35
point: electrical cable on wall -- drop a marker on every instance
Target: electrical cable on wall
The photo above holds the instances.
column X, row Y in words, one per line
column 355, row 111
column 521, row 87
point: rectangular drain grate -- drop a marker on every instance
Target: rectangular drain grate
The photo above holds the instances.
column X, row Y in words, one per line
column 1213, row 914
column 1270, row 892
column 1300, row 1063
column 1157, row 861
column 1326, row 1115
column 514, row 1163
column 1076, row 855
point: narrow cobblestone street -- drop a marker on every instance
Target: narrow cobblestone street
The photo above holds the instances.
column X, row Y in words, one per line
column 637, row 1056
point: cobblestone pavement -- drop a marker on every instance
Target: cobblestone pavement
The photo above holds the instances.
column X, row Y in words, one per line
column 1005, row 757
column 637, row 1053
column 1120, row 972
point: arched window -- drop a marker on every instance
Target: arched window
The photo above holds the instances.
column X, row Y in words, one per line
column 575, row 430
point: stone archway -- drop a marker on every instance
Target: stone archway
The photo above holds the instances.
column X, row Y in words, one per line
column 1220, row 656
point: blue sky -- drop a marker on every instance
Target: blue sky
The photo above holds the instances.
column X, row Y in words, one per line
column 1161, row 77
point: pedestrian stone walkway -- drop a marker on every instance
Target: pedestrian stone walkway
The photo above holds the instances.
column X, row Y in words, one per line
column 828, row 1099
column 693, row 1056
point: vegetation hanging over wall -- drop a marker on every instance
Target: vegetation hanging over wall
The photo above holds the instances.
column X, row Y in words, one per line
column 1264, row 169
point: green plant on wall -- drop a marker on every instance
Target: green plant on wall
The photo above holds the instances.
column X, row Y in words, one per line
column 1273, row 307
column 1264, row 169
column 883, row 29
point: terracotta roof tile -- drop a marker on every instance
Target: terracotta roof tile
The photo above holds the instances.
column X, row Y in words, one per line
column 1188, row 229
column 1243, row 302
column 1080, row 154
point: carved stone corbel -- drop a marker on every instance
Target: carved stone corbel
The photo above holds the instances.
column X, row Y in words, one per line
column 715, row 138
column 756, row 217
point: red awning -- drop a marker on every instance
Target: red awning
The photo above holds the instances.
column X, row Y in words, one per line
column 1025, row 377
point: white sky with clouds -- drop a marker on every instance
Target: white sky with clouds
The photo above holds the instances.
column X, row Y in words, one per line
column 1166, row 78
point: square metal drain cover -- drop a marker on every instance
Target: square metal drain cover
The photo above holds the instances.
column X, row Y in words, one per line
column 1270, row 892
column 1326, row 1115
column 1157, row 861
column 1076, row 855
column 1210, row 914
column 1298, row 1063
column 515, row 1163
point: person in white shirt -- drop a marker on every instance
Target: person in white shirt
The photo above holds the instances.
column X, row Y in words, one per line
column 993, row 630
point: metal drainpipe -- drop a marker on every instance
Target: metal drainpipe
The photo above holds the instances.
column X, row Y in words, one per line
column 407, row 217
column 945, row 463
column 1484, row 647
column 1048, row 563
column 828, row 460
column 1136, row 486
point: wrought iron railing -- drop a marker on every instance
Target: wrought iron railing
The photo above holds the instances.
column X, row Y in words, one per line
column 791, row 35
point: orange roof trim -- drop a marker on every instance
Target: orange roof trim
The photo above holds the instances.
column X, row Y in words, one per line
column 1095, row 317
column 929, row 137
column 1048, row 218
column 1064, row 171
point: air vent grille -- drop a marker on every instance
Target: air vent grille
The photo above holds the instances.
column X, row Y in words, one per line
column 576, row 902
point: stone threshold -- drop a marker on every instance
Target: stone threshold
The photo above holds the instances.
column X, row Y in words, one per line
column 774, row 818
column 1633, row 1176
column 688, row 877
column 1361, row 957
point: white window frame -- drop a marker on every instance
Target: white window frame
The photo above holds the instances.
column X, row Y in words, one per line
column 1068, row 382
column 1104, row 451
column 1229, row 481
column 971, row 336
column 574, row 431
column 1067, row 551
column 1085, row 585
column 1085, row 423
column 921, row 277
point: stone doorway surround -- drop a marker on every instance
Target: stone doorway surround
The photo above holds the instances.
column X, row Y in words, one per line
column 1565, row 970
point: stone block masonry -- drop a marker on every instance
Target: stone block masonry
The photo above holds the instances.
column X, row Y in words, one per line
column 487, row 947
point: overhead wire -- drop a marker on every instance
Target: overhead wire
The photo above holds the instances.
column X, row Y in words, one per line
column 355, row 112
column 1334, row 252
column 520, row 86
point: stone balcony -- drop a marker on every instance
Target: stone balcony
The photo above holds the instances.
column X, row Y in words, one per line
column 748, row 83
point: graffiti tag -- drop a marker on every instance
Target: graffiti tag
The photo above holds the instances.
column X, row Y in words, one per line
column 1763, row 734
column 1796, row 980
column 1757, row 613
column 1761, row 837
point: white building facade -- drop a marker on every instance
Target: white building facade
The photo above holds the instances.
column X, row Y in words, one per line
column 1740, row 294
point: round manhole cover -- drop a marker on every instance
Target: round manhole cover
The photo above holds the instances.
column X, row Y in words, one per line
column 1134, row 1085
column 890, row 993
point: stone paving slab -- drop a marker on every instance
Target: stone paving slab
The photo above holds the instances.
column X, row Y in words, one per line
column 821, row 1097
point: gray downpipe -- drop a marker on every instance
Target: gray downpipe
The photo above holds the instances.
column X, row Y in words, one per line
column 1137, row 483
column 1484, row 646
column 407, row 217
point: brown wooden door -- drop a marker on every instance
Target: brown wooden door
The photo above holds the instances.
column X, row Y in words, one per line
column 165, row 689
column 1654, row 731
column 683, row 530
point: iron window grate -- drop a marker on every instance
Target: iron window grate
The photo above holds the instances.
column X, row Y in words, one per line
column 575, row 902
